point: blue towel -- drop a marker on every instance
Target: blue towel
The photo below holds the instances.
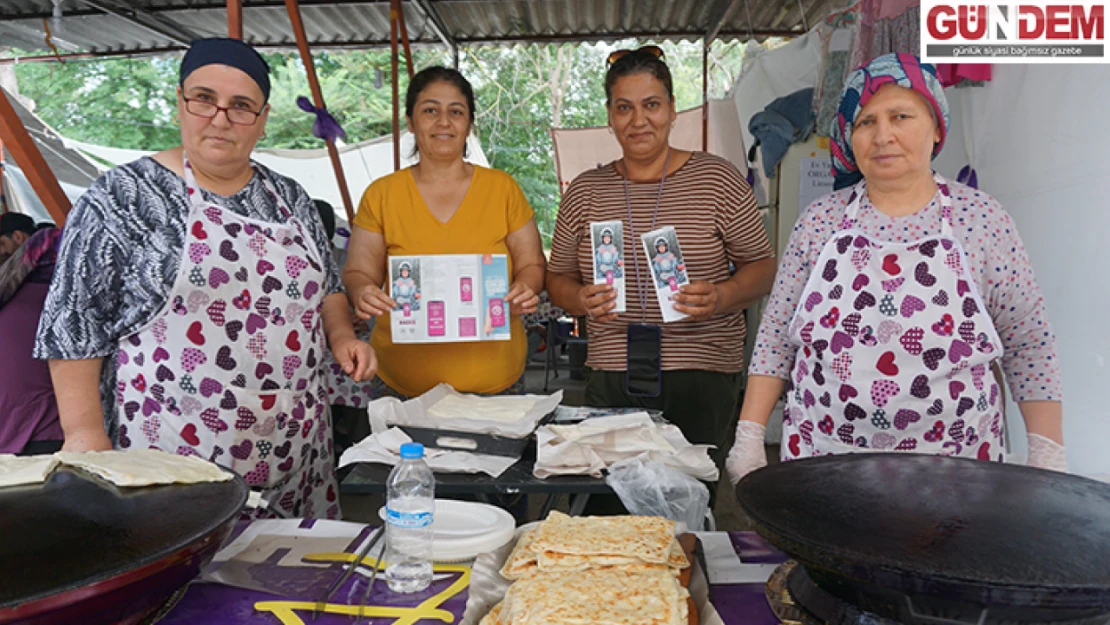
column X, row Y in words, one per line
column 785, row 121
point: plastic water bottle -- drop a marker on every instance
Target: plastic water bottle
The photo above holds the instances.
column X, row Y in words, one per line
column 410, row 506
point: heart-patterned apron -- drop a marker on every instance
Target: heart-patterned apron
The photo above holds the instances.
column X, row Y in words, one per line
column 229, row 370
column 896, row 350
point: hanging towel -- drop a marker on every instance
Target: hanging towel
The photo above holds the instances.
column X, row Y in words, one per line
column 784, row 121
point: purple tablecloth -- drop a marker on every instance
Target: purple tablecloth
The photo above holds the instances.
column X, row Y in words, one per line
column 215, row 604
column 746, row 604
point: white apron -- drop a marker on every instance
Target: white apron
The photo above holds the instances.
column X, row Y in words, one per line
column 230, row 369
column 896, row 349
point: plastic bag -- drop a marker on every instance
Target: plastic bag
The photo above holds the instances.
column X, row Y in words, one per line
column 652, row 488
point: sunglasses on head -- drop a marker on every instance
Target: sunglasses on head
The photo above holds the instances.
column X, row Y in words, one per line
column 617, row 55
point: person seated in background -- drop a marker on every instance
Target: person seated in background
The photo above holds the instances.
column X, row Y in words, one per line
column 29, row 421
column 15, row 229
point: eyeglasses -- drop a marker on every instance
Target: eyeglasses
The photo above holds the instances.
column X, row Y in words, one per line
column 617, row 55
column 207, row 110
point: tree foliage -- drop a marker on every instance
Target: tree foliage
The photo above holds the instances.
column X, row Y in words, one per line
column 522, row 92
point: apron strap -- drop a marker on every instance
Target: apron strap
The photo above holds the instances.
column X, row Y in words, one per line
column 196, row 197
column 851, row 214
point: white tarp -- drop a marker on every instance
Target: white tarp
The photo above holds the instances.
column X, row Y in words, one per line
column 22, row 198
column 581, row 149
column 362, row 164
column 1047, row 162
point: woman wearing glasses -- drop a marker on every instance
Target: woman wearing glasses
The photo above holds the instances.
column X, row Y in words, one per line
column 192, row 298
column 697, row 379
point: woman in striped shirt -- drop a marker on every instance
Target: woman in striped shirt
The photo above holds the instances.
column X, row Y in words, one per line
column 713, row 212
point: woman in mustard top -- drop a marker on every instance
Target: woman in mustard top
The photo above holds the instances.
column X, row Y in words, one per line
column 444, row 205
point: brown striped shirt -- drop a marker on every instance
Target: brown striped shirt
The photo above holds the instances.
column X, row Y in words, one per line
column 713, row 212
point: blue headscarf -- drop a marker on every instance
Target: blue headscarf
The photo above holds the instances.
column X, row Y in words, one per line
column 230, row 52
column 904, row 70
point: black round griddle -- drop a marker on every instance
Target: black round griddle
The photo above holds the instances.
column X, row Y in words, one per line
column 935, row 528
column 75, row 546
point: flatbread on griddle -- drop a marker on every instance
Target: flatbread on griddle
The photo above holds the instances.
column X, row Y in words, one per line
column 144, row 467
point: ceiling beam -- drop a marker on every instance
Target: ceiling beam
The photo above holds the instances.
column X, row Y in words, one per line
column 142, row 18
column 717, row 16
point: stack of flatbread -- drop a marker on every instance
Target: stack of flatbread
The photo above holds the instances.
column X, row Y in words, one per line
column 599, row 570
column 130, row 468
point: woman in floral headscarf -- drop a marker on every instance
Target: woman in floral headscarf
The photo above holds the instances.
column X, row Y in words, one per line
column 897, row 295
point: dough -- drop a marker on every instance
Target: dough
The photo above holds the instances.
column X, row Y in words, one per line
column 503, row 409
column 650, row 596
column 646, row 538
column 144, row 467
column 19, row 470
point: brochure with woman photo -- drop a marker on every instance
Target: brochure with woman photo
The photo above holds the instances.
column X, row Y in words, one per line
column 607, row 243
column 449, row 298
column 668, row 269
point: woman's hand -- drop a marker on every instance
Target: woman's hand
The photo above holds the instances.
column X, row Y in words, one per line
column 373, row 302
column 90, row 439
column 598, row 300
column 698, row 299
column 356, row 357
column 522, row 300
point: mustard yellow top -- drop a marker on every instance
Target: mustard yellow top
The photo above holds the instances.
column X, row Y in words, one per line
column 493, row 208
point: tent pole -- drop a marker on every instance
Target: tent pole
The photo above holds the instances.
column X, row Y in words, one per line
column 235, row 19
column 27, row 155
column 318, row 98
column 394, row 16
column 705, row 97
column 3, row 198
column 404, row 36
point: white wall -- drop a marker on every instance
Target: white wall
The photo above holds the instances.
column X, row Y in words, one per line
column 1040, row 140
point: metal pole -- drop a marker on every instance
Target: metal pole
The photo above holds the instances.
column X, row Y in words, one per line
column 404, row 37
column 30, row 160
column 705, row 97
column 394, row 13
column 318, row 98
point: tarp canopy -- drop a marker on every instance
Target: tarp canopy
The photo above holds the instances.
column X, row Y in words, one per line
column 362, row 164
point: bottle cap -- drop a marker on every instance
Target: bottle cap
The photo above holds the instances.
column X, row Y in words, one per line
column 412, row 451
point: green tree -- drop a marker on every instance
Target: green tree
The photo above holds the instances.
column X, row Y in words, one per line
column 522, row 92
column 122, row 103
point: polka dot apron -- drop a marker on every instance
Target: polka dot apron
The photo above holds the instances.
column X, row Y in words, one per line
column 230, row 369
column 896, row 349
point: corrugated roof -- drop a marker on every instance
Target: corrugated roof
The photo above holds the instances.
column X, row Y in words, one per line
column 142, row 26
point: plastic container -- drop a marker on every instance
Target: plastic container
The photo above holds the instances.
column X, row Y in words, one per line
column 410, row 510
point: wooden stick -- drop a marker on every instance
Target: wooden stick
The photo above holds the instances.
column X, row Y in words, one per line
column 318, row 98
column 27, row 155
column 394, row 19
column 235, row 19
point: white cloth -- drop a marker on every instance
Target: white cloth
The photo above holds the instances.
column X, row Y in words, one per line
column 384, row 447
column 589, row 447
column 418, row 412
